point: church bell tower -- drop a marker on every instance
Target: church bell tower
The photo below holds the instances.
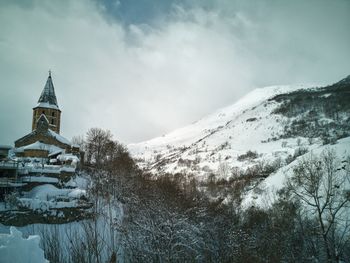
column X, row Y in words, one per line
column 47, row 105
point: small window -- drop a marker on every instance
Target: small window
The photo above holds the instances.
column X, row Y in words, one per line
column 43, row 112
column 52, row 122
column 53, row 114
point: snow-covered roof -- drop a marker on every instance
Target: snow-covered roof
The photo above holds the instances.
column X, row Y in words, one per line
column 46, row 105
column 36, row 146
column 7, row 147
column 67, row 169
column 48, row 96
column 40, row 146
column 49, row 133
column 59, row 137
column 18, row 150
column 69, row 157
column 56, row 152
column 43, row 118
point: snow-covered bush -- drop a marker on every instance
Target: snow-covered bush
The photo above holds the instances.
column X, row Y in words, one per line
column 249, row 155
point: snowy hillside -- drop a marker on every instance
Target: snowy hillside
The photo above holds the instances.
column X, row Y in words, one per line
column 271, row 125
column 263, row 194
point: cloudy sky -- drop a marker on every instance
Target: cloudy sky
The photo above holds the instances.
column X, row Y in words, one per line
column 142, row 68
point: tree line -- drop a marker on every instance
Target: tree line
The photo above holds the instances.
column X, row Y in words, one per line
column 169, row 218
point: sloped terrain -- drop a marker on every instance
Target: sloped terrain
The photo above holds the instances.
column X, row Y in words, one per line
column 268, row 128
column 265, row 193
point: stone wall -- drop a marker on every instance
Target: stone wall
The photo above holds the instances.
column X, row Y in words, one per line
column 36, row 153
column 42, row 137
column 53, row 116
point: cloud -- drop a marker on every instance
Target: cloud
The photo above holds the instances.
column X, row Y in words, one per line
column 143, row 79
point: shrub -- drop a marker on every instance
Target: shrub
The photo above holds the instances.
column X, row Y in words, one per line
column 249, row 155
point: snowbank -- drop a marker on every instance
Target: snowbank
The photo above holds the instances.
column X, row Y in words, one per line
column 16, row 249
column 47, row 197
column 43, row 192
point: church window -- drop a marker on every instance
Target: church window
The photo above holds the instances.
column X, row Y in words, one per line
column 52, row 122
column 53, row 114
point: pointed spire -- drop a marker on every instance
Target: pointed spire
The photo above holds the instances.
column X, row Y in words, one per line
column 48, row 94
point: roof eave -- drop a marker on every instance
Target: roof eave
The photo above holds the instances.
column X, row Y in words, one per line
column 43, row 107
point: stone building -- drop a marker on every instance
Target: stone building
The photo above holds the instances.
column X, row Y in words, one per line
column 43, row 155
column 47, row 105
column 44, row 141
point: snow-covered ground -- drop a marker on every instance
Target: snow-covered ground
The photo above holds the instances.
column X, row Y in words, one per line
column 191, row 133
column 218, row 143
column 16, row 249
column 266, row 192
column 221, row 137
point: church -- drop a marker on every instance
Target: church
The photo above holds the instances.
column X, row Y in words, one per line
column 45, row 141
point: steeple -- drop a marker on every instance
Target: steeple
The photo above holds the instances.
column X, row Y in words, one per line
column 47, row 106
column 48, row 94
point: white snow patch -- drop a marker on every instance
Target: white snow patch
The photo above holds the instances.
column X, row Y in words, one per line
column 69, row 157
column 41, row 179
column 47, row 105
column 16, row 249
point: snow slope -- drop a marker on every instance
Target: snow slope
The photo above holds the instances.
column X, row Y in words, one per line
column 189, row 134
column 221, row 137
column 265, row 193
column 256, row 142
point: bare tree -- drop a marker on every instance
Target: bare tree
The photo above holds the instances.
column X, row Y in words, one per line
column 321, row 184
column 79, row 140
column 96, row 145
column 51, row 243
column 223, row 170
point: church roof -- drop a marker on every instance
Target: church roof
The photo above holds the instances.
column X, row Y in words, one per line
column 48, row 133
column 48, row 97
column 40, row 146
column 59, row 137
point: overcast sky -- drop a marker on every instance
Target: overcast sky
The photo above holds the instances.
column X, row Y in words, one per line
column 142, row 68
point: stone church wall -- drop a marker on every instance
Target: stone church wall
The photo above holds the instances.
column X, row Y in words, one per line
column 53, row 116
column 36, row 153
column 44, row 138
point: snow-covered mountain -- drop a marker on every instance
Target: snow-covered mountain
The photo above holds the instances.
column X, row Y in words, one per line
column 268, row 127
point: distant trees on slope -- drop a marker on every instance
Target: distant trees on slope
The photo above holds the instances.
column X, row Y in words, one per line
column 322, row 185
column 171, row 218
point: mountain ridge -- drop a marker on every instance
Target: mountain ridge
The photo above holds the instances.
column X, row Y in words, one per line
column 274, row 123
